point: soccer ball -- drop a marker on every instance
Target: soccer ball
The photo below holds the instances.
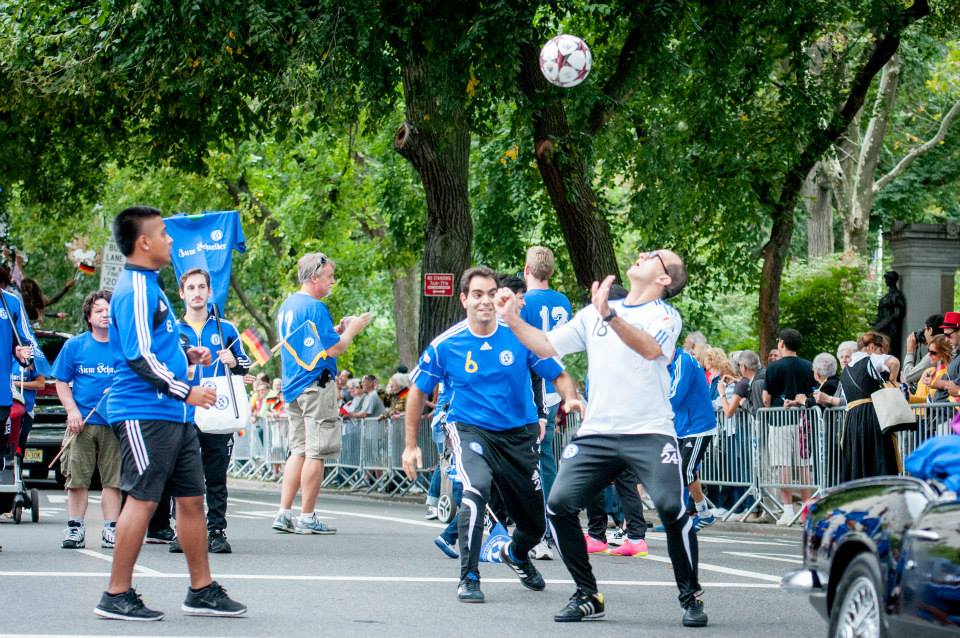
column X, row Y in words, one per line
column 565, row 60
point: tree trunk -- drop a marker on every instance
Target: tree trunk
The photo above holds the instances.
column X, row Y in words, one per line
column 406, row 312
column 435, row 139
column 816, row 197
column 564, row 171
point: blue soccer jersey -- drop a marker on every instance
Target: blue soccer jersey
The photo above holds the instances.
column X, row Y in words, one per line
column 210, row 338
column 300, row 357
column 488, row 377
column 207, row 241
column 8, row 341
column 545, row 310
column 693, row 413
column 89, row 364
column 151, row 365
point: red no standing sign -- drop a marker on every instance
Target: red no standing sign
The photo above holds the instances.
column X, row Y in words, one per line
column 438, row 284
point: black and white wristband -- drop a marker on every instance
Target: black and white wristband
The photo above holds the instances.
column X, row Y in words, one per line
column 610, row 317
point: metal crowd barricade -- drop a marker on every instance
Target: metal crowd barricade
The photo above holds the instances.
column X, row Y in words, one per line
column 790, row 444
column 276, row 447
column 374, row 437
column 729, row 461
column 563, row 434
column 347, row 469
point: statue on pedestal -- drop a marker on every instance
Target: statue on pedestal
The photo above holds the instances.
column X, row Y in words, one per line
column 890, row 314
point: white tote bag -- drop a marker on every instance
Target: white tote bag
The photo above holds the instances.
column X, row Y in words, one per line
column 219, row 419
column 893, row 411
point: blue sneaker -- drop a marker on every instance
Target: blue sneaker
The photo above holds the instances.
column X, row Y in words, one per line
column 312, row 525
column 447, row 548
column 283, row 523
column 705, row 520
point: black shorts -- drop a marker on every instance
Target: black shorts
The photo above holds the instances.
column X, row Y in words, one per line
column 158, row 454
column 692, row 449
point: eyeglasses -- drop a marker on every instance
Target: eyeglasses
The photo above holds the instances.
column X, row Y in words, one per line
column 654, row 253
column 933, row 353
column 320, row 264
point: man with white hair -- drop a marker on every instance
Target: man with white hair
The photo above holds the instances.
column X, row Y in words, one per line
column 694, row 339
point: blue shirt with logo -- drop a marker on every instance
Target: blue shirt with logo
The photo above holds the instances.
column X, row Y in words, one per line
column 207, row 241
column 693, row 413
column 150, row 382
column 89, row 364
column 8, row 341
column 488, row 377
column 546, row 309
column 210, row 338
column 291, row 319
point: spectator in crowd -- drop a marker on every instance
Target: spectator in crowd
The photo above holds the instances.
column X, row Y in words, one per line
column 940, row 353
column 912, row 370
column 789, row 382
column 825, row 374
column 274, row 399
column 748, row 393
column 371, row 405
column 866, row 450
column 36, row 304
column 397, row 389
column 342, row 388
column 844, row 352
column 258, row 402
column 773, row 355
column 715, row 362
column 356, row 398
column 948, row 385
column 694, row 339
column 731, row 434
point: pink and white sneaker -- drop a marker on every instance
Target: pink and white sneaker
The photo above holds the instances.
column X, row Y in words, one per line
column 630, row 548
column 594, row 546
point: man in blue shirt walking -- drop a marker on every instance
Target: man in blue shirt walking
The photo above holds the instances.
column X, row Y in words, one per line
column 312, row 344
column 492, row 425
column 147, row 405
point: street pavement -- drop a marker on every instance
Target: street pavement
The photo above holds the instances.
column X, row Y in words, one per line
column 380, row 575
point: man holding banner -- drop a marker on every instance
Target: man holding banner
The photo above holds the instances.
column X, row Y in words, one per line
column 199, row 328
column 311, row 343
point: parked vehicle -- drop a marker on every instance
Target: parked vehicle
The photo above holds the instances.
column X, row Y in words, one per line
column 881, row 557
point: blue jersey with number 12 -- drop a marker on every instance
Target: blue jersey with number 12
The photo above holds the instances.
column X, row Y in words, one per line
column 488, row 377
column 545, row 310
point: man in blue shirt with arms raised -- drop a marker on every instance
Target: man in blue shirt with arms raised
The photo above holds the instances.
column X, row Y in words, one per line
column 309, row 357
column 147, row 405
column 492, row 425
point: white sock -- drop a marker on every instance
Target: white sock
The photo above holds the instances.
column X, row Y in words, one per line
column 308, row 517
column 283, row 512
column 701, row 506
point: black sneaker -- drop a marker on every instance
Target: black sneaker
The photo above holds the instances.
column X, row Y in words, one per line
column 125, row 606
column 581, row 607
column 693, row 614
column 174, row 546
column 160, row 536
column 469, row 590
column 217, row 542
column 212, row 600
column 524, row 569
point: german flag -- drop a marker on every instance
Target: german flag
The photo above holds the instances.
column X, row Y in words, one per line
column 253, row 344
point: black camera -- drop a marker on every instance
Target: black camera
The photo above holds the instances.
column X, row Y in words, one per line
column 919, row 336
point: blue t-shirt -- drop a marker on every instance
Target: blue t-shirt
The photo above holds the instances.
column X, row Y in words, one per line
column 546, row 309
column 210, row 338
column 19, row 373
column 306, row 344
column 207, row 241
column 693, row 413
column 89, row 364
column 151, row 366
column 488, row 377
column 8, row 341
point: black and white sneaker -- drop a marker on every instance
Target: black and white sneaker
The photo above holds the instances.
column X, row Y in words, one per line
column 693, row 614
column 125, row 606
column 75, row 536
column 212, row 600
column 524, row 569
column 581, row 607
column 160, row 536
column 616, row 539
column 469, row 590
column 217, row 542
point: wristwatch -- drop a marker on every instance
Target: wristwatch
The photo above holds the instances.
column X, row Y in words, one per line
column 609, row 318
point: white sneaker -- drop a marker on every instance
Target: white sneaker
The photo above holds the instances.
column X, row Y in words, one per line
column 431, row 513
column 616, row 539
column 541, row 551
column 787, row 517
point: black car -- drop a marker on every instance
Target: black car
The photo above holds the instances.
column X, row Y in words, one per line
column 50, row 418
column 881, row 557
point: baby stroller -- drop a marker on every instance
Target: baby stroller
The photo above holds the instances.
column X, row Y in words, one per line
column 13, row 496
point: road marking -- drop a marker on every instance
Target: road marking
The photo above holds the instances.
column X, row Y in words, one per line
column 139, row 569
column 702, row 538
column 386, row 579
column 249, row 518
column 392, row 519
column 783, row 558
column 720, row 569
column 57, row 498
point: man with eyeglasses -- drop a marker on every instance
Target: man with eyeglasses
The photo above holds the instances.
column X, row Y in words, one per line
column 948, row 385
column 311, row 394
column 628, row 424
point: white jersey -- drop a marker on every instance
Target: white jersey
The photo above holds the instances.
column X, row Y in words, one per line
column 627, row 393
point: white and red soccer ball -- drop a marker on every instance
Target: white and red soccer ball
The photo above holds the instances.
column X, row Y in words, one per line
column 565, row 60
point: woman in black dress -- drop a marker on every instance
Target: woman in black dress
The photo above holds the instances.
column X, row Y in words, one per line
column 866, row 451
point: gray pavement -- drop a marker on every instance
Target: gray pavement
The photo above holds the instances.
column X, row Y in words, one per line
column 381, row 576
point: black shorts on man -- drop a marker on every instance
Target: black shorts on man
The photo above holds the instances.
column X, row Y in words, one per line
column 692, row 451
column 158, row 454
